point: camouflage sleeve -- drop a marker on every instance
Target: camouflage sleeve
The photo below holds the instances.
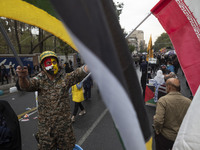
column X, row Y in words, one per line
column 76, row 76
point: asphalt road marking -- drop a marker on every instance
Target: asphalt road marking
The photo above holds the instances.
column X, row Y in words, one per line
column 85, row 136
column 27, row 112
column 89, row 131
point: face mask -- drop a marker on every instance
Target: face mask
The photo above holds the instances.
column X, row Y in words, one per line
column 51, row 66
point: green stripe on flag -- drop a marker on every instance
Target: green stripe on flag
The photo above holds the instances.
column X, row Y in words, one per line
column 39, row 13
column 151, row 102
column 117, row 79
column 44, row 5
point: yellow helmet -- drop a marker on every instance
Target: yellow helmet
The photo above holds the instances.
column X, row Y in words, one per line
column 46, row 54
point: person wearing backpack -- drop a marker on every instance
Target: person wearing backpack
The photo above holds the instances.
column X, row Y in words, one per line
column 77, row 97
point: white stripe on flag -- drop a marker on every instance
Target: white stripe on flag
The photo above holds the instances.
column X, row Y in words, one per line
column 192, row 12
column 184, row 33
column 194, row 7
column 189, row 135
column 115, row 98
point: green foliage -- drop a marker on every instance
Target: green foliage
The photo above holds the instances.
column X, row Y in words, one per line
column 118, row 9
column 162, row 41
column 44, row 5
column 131, row 48
column 124, row 32
column 65, row 48
column 143, row 50
column 29, row 41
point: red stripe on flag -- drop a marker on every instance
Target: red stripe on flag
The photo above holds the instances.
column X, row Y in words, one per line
column 159, row 6
column 183, row 37
column 149, row 94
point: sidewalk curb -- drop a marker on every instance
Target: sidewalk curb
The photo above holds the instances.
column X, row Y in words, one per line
column 5, row 88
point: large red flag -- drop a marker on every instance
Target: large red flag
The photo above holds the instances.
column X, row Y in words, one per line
column 181, row 19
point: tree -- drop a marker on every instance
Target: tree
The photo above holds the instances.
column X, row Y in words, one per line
column 118, row 9
column 27, row 42
column 17, row 36
column 65, row 48
column 40, row 43
column 40, row 40
column 141, row 45
column 31, row 35
column 131, row 48
column 162, row 41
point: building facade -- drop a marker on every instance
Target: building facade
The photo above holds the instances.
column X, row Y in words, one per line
column 136, row 38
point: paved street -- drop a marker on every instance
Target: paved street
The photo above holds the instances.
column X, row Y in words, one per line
column 93, row 131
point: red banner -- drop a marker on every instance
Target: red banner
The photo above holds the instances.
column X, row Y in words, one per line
column 180, row 19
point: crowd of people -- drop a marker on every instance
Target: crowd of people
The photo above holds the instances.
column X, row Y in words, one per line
column 55, row 82
column 167, row 64
column 9, row 75
column 170, row 107
column 4, row 74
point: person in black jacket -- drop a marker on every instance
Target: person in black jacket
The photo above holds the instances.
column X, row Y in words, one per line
column 87, row 85
column 12, row 74
column 143, row 69
column 68, row 69
column 4, row 74
column 10, row 135
column 29, row 70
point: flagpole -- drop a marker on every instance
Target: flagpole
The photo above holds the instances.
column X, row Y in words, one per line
column 86, row 77
column 3, row 31
column 139, row 24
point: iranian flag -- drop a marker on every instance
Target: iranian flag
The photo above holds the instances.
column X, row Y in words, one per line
column 180, row 19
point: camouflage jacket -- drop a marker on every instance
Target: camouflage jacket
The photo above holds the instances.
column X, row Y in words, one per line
column 53, row 96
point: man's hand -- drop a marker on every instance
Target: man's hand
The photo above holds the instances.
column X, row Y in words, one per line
column 22, row 73
column 86, row 69
column 156, row 131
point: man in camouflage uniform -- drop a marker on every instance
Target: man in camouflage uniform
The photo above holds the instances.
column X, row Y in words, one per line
column 54, row 116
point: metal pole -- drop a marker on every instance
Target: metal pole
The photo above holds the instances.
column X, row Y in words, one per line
column 139, row 24
column 86, row 77
column 3, row 31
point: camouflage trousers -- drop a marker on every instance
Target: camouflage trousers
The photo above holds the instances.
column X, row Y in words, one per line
column 55, row 138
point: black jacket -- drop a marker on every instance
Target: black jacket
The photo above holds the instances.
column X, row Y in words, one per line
column 10, row 135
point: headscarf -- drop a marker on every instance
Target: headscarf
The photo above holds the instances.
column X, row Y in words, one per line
column 159, row 77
